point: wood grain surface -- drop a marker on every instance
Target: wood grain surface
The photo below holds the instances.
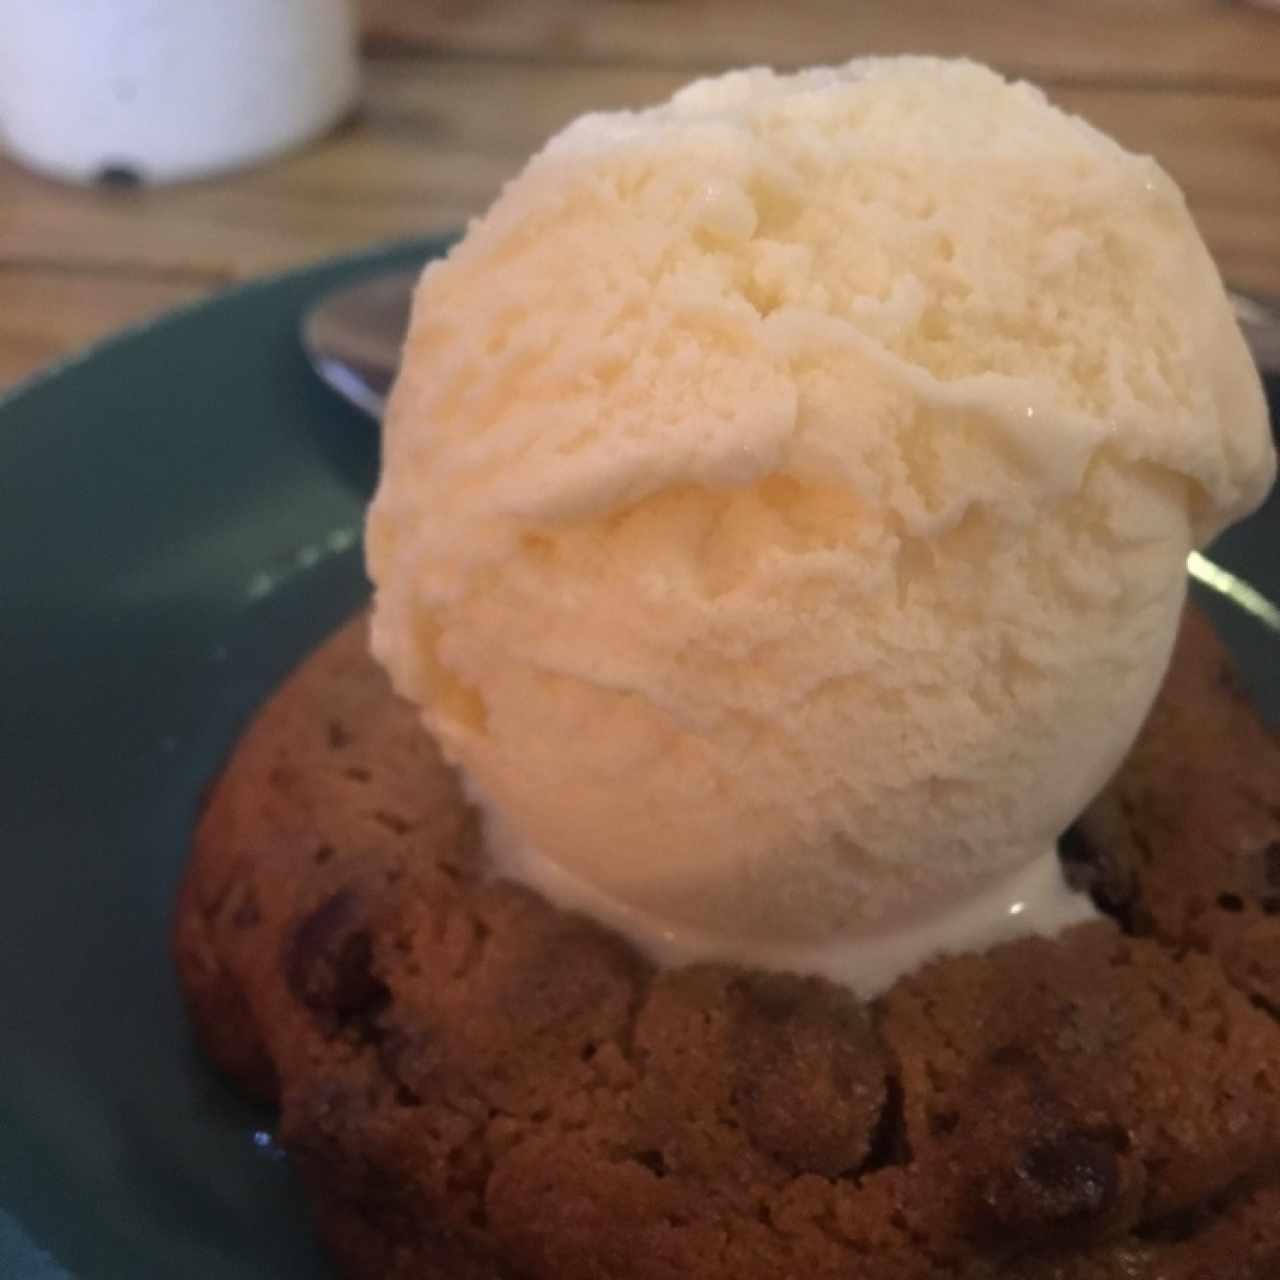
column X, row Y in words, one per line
column 458, row 92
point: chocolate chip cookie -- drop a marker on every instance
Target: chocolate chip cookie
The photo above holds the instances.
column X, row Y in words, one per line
column 474, row 1084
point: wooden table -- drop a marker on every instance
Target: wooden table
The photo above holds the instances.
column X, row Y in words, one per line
column 458, row 92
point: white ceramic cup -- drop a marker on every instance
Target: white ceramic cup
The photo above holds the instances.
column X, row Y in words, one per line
column 157, row 90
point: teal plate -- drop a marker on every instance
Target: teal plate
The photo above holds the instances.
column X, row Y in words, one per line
column 179, row 522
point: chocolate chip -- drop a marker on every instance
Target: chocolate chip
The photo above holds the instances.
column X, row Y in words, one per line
column 653, row 1160
column 1055, row 1183
column 327, row 960
column 1088, row 866
column 1037, row 1170
column 1079, row 858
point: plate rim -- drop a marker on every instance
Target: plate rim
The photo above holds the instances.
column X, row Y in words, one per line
column 432, row 243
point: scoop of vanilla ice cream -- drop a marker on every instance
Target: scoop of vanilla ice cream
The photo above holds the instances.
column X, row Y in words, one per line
column 787, row 491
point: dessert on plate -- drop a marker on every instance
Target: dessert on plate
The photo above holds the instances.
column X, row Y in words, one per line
column 779, row 545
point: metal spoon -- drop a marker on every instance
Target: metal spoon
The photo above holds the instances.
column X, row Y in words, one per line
column 353, row 336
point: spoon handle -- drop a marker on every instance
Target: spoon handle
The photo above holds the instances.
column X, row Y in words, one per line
column 353, row 337
column 1260, row 323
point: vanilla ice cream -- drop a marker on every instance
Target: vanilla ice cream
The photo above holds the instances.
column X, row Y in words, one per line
column 786, row 498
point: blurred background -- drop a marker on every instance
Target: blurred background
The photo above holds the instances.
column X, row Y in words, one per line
column 456, row 93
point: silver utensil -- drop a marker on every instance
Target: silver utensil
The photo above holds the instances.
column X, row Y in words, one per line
column 1259, row 321
column 353, row 336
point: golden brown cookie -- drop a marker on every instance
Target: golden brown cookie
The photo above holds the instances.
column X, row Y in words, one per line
column 474, row 1084
column 1185, row 841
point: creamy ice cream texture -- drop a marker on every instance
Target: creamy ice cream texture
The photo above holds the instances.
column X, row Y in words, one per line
column 786, row 497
